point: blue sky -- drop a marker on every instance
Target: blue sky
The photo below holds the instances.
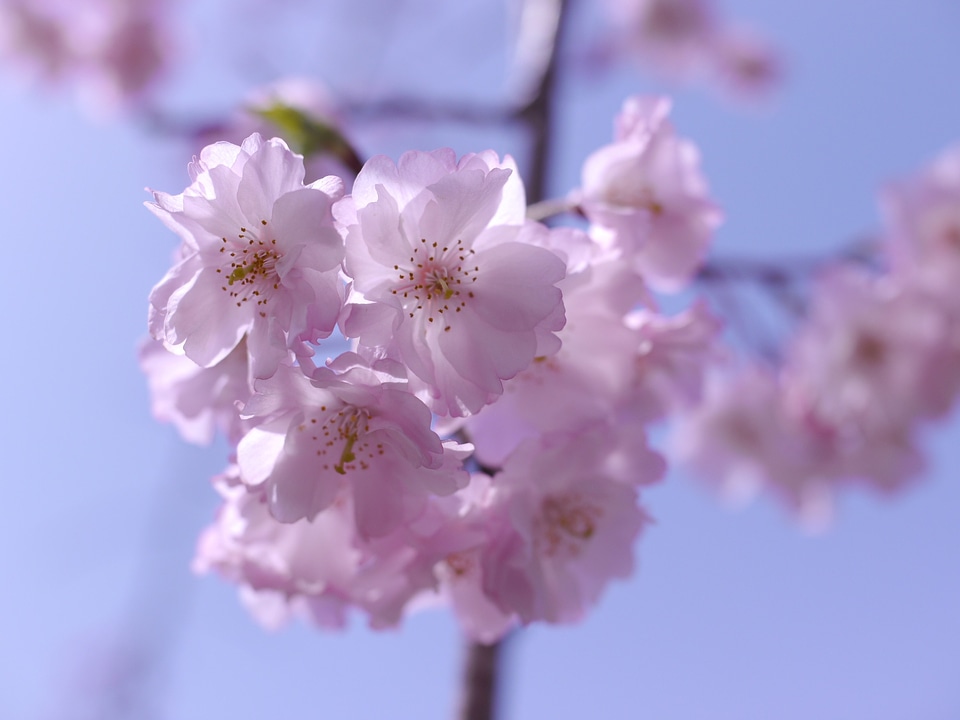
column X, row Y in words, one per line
column 731, row 615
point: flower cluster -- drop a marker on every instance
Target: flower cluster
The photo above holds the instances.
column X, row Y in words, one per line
column 687, row 38
column 877, row 356
column 484, row 439
column 112, row 49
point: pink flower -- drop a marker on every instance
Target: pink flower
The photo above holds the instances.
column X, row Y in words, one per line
column 741, row 441
column 198, row 401
column 438, row 559
column 351, row 426
column 114, row 50
column 569, row 529
column 671, row 360
column 758, row 432
column 34, row 38
column 671, row 35
column 584, row 382
column 923, row 213
column 871, row 356
column 447, row 273
column 260, row 257
column 685, row 39
column 283, row 569
column 647, row 198
column 745, row 63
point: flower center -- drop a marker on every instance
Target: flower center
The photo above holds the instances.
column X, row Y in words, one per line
column 459, row 563
column 435, row 281
column 565, row 524
column 625, row 195
column 250, row 268
column 869, row 350
column 340, row 438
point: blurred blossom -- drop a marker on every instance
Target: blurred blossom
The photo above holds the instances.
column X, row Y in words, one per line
column 647, row 198
column 112, row 51
column 689, row 39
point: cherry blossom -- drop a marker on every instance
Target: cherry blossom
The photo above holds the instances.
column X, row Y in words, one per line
column 870, row 362
column 646, row 196
column 871, row 355
column 923, row 215
column 448, row 275
column 672, row 357
column 283, row 569
column 741, row 441
column 260, row 257
column 351, row 425
column 584, row 381
column 571, row 529
column 197, row 401
column 687, row 39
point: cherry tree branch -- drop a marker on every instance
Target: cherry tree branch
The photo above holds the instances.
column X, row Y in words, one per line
column 481, row 678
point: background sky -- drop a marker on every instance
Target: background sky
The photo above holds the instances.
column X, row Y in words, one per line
column 731, row 614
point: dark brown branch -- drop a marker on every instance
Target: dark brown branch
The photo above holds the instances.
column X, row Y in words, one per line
column 480, row 681
column 538, row 115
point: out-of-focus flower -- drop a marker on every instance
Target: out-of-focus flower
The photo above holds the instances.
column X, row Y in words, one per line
column 923, row 215
column 197, row 401
column 112, row 50
column 350, row 426
column 570, row 529
column 647, row 198
column 686, row 39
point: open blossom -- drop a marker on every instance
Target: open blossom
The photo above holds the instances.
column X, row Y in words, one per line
column 283, row 569
column 449, row 277
column 197, row 401
column 320, row 569
column 350, row 426
column 569, row 529
column 740, row 440
column 872, row 356
column 584, row 382
column 646, row 196
column 260, row 257
column 461, row 543
column 672, row 356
